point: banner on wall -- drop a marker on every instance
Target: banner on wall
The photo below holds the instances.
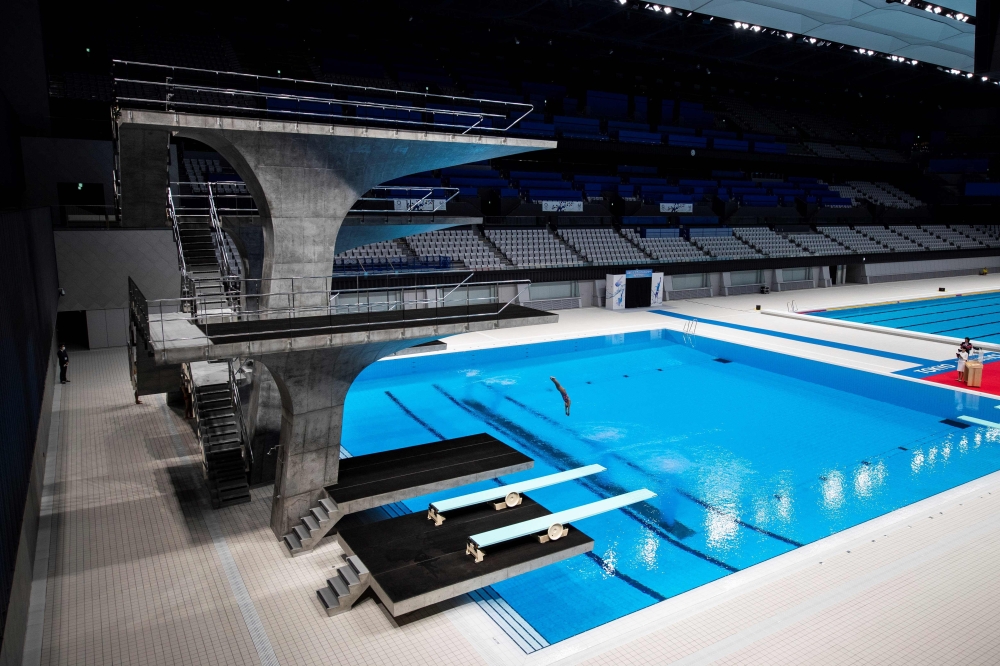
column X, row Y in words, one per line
column 562, row 206
column 656, row 290
column 676, row 208
column 639, row 273
column 614, row 294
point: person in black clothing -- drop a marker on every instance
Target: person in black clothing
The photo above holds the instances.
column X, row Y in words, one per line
column 63, row 364
column 966, row 346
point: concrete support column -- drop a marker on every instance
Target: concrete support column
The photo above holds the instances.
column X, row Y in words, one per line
column 264, row 425
column 313, row 385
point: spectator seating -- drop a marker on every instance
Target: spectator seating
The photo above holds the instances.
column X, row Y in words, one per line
column 924, row 238
column 602, row 246
column 465, row 245
column 980, row 234
column 725, row 246
column 955, row 238
column 889, row 238
column 532, row 248
column 884, row 194
column 818, row 244
column 666, row 249
column 767, row 243
column 853, row 240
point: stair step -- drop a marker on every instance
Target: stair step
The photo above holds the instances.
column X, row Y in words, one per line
column 338, row 586
column 328, row 505
column 350, row 576
column 319, row 514
column 357, row 565
column 310, row 523
column 328, row 598
column 301, row 532
column 292, row 542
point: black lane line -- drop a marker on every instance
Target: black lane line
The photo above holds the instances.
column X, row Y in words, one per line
column 651, row 476
column 539, row 447
column 406, row 410
column 625, row 578
column 722, row 512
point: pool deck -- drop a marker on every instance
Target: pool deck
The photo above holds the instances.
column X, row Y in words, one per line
column 142, row 571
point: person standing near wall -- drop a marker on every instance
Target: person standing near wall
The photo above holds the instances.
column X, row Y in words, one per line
column 63, row 364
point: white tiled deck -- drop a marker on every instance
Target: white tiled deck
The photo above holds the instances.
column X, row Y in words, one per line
column 137, row 572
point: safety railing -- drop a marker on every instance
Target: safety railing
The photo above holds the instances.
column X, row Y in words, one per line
column 294, row 307
column 186, row 89
column 139, row 313
column 172, row 213
column 234, row 396
column 406, row 199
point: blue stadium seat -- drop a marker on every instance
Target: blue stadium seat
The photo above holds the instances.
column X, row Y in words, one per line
column 606, row 104
column 684, row 141
column 731, row 144
column 770, row 148
column 629, row 136
column 525, row 183
column 555, row 195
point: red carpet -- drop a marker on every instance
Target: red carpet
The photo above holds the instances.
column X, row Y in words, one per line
column 991, row 380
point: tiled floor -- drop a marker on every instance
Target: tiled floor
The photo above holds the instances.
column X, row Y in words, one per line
column 136, row 577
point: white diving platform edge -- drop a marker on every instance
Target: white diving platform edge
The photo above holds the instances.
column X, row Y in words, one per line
column 982, row 422
column 509, row 494
column 553, row 525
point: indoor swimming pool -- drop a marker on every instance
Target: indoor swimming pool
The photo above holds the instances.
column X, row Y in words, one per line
column 751, row 453
column 975, row 315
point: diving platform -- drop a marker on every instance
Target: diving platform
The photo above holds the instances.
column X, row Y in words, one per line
column 411, row 563
column 377, row 479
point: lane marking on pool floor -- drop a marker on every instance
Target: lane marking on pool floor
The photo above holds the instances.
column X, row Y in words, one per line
column 532, row 442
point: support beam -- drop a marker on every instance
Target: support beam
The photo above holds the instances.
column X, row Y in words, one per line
column 313, row 385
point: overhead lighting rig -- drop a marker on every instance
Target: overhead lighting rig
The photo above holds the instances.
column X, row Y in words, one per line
column 813, row 41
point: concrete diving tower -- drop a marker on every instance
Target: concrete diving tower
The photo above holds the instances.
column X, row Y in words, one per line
column 304, row 176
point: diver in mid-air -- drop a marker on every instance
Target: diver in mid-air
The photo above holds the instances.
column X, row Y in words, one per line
column 562, row 392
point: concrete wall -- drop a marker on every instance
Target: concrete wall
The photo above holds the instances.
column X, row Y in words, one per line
column 20, row 593
column 107, row 328
column 915, row 270
column 94, row 267
column 49, row 160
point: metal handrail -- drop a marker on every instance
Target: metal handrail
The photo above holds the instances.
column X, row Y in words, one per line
column 237, row 402
column 171, row 211
column 179, row 310
column 170, row 86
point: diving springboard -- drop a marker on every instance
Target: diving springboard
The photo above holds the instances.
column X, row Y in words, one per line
column 553, row 524
column 509, row 494
column 972, row 419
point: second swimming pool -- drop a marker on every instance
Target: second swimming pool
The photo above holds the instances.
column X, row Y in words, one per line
column 976, row 316
column 751, row 453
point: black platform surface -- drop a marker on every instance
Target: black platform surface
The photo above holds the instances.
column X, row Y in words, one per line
column 414, row 564
column 294, row 327
column 391, row 476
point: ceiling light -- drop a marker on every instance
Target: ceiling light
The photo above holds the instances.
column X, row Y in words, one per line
column 960, row 17
column 667, row 10
column 937, row 10
column 789, row 35
column 986, row 78
column 812, row 40
column 756, row 28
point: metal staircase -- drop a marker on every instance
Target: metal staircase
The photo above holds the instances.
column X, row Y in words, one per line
column 209, row 271
column 221, row 434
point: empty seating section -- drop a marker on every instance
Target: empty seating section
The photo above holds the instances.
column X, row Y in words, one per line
column 980, row 234
column 602, row 246
column 884, row 194
column 825, row 150
column 818, row 244
column 392, row 249
column 532, row 248
column 924, row 238
column 955, row 238
column 768, row 243
column 725, row 247
column 666, row 249
column 853, row 240
column 889, row 238
column 465, row 245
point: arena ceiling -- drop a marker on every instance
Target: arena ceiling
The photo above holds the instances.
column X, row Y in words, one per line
column 887, row 27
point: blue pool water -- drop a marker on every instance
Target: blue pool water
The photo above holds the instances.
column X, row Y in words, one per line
column 976, row 316
column 750, row 457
